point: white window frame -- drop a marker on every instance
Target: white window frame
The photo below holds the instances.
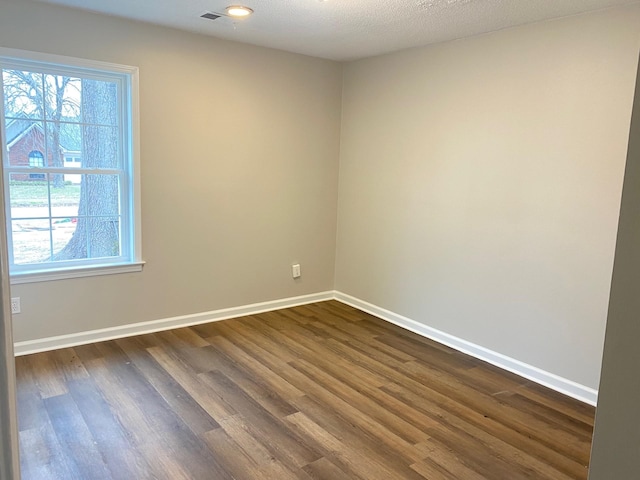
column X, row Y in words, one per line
column 127, row 76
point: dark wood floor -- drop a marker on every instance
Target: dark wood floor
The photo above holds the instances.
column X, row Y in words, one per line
column 322, row 391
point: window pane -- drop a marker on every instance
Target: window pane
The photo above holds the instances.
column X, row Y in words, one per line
column 104, row 237
column 99, row 102
column 68, row 140
column 28, row 197
column 31, row 241
column 25, row 142
column 65, row 199
column 36, row 159
column 62, row 98
column 22, row 94
column 78, row 232
column 69, row 242
column 103, row 195
column 102, row 147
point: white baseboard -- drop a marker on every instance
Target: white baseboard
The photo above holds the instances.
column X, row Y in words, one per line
column 535, row 374
column 112, row 333
column 555, row 382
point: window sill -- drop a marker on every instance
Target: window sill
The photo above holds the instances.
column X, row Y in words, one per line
column 77, row 272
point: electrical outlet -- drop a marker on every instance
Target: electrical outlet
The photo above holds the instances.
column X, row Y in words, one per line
column 295, row 270
column 15, row 305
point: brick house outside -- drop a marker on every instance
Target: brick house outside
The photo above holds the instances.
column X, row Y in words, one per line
column 26, row 148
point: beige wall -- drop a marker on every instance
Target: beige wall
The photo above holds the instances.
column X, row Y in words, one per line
column 617, row 436
column 480, row 183
column 239, row 172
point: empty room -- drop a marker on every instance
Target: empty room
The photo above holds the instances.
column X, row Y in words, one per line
column 321, row 239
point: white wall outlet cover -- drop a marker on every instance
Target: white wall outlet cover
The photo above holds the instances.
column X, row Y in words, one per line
column 15, row 305
column 295, row 270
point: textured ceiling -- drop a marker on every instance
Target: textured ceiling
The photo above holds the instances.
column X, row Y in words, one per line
column 344, row 29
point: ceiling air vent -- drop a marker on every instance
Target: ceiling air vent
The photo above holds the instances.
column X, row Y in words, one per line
column 210, row 16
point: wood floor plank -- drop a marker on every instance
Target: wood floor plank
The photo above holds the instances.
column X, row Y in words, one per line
column 183, row 404
column 266, row 462
column 391, row 428
column 435, row 471
column 268, row 430
column 320, row 391
column 210, row 400
column 550, row 416
column 353, row 461
column 324, row 469
column 109, row 435
column 68, row 362
column 170, row 466
column 523, row 422
column 257, row 388
column 242, row 332
column 152, row 423
column 43, row 373
column 232, row 457
column 75, row 438
column 491, row 380
column 568, row 406
column 31, row 414
column 322, row 352
column 459, row 426
column 42, row 457
column 359, row 439
column 260, row 365
column 464, row 404
column 303, row 377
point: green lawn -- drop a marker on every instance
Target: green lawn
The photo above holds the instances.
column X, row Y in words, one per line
column 34, row 194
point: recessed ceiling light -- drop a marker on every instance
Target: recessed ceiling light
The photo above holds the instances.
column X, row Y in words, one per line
column 238, row 11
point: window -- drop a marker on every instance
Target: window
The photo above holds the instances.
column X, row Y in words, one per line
column 36, row 159
column 77, row 214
